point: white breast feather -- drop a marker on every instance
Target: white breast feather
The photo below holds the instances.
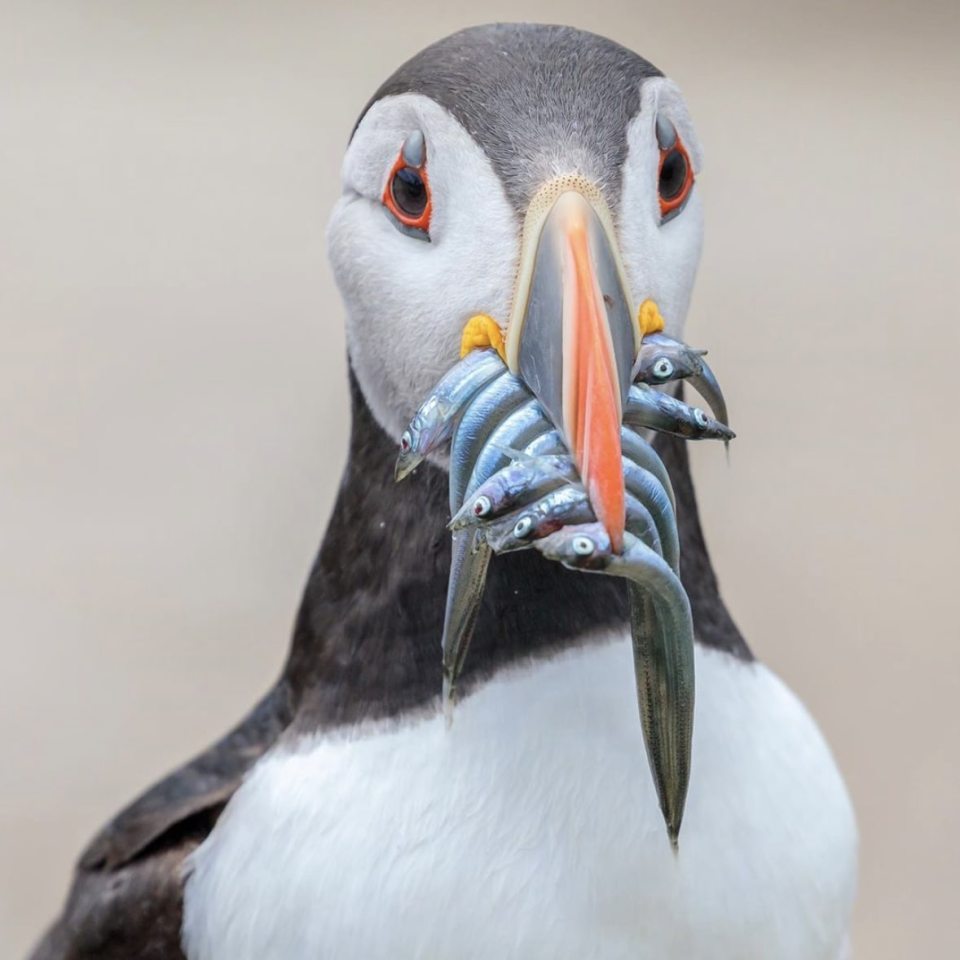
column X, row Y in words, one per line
column 530, row 830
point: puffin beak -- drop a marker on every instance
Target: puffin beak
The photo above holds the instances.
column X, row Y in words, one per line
column 573, row 334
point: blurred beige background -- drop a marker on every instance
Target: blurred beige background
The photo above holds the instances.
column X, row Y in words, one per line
column 173, row 405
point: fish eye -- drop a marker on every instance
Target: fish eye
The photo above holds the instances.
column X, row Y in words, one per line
column 406, row 442
column 702, row 419
column 481, row 506
column 582, row 546
column 522, row 527
column 663, row 369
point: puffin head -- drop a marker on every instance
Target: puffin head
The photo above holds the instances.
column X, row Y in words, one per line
column 527, row 187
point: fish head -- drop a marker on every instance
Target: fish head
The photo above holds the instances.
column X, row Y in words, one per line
column 586, row 546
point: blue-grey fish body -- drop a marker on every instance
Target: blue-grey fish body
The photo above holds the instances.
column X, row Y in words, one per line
column 506, row 440
column 469, row 561
column 501, row 416
column 520, row 481
column 481, row 417
column 662, row 359
column 551, row 442
column 518, row 529
column 564, row 506
column 635, row 448
column 662, row 630
column 651, row 409
column 649, row 491
column 433, row 423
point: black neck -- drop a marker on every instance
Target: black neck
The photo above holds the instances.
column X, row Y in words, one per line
column 367, row 637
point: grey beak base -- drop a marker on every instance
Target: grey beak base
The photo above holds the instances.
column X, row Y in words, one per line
column 541, row 351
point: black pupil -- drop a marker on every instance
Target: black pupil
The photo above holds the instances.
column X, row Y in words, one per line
column 409, row 192
column 673, row 175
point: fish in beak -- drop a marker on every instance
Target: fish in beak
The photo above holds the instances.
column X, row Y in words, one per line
column 576, row 342
column 573, row 334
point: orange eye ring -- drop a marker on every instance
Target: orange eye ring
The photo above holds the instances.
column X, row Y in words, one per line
column 407, row 194
column 674, row 179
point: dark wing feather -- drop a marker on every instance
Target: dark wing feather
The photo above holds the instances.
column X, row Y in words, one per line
column 133, row 913
column 127, row 894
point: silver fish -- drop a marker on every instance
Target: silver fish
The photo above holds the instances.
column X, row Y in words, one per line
column 469, row 561
column 662, row 631
column 482, row 416
column 632, row 446
column 521, row 481
column 517, row 529
column 559, row 508
column 650, row 492
column 635, row 448
column 501, row 414
column 527, row 422
column 648, row 408
column 551, row 442
column 528, row 481
column 662, row 359
column 433, row 424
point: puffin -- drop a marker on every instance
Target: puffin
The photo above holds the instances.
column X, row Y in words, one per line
column 344, row 817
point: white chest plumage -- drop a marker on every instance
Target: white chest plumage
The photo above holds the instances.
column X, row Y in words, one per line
column 530, row 830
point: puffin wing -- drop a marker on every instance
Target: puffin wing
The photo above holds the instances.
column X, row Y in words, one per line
column 133, row 911
column 126, row 899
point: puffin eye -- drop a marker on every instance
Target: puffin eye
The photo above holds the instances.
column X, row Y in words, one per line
column 407, row 193
column 676, row 172
column 582, row 546
column 673, row 175
column 663, row 368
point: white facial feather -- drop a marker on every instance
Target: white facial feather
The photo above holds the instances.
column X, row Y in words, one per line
column 407, row 300
column 660, row 258
column 530, row 831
